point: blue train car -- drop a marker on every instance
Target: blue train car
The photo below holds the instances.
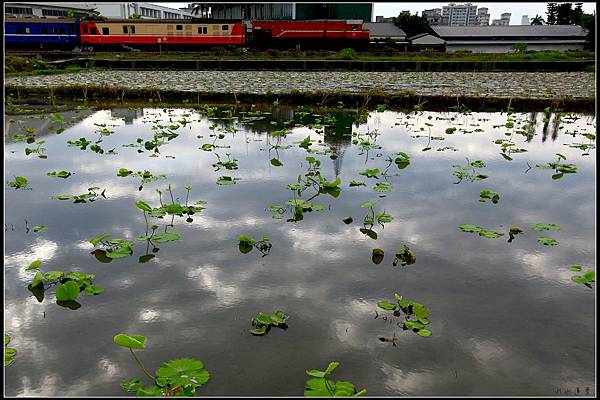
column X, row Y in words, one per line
column 41, row 33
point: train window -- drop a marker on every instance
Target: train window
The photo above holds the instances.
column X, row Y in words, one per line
column 20, row 29
column 354, row 27
column 85, row 29
column 93, row 31
column 225, row 27
column 124, row 28
column 199, row 29
column 204, row 30
column 44, row 30
column 62, row 31
column 131, row 29
column 27, row 30
column 179, row 27
column 105, row 31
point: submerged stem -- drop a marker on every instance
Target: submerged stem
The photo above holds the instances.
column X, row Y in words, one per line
column 141, row 365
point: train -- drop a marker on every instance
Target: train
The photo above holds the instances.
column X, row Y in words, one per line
column 148, row 34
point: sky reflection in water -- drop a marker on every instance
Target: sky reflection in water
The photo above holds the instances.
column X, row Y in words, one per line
column 506, row 317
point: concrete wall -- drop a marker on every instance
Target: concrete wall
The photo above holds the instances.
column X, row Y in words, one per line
column 507, row 47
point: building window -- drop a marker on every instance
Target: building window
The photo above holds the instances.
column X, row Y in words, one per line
column 105, row 31
column 18, row 10
column 179, row 27
column 225, row 27
column 54, row 13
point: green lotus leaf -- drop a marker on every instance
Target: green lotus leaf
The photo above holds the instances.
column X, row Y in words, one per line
column 143, row 206
column 547, row 227
column 165, row 237
column 67, row 291
column 183, row 372
column 53, row 276
column 99, row 239
column 34, row 265
column 546, row 241
column 386, row 305
column 470, row 228
column 490, row 234
column 37, row 279
column 130, row 341
column 150, row 391
column 258, row 331
column 132, row 385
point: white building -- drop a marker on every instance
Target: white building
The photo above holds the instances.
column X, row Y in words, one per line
column 483, row 17
column 42, row 10
column 525, row 20
column 503, row 21
column 434, row 16
column 460, row 14
column 126, row 10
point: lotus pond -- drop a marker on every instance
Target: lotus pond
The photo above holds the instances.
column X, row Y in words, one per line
column 250, row 250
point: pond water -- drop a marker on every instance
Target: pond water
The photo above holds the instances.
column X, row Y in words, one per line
column 506, row 318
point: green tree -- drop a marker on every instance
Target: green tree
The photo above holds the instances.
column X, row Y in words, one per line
column 537, row 20
column 520, row 47
column 564, row 14
column 411, row 24
column 588, row 22
column 135, row 16
column 577, row 14
column 551, row 13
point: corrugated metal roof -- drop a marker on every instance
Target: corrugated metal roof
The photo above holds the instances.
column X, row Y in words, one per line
column 447, row 32
column 379, row 29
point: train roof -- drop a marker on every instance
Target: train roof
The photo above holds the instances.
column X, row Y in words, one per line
column 349, row 21
column 162, row 21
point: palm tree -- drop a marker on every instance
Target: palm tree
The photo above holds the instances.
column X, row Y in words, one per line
column 537, row 20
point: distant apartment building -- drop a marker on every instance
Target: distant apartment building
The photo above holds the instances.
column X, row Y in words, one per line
column 483, row 17
column 503, row 21
column 525, row 20
column 434, row 16
column 460, row 14
column 381, row 18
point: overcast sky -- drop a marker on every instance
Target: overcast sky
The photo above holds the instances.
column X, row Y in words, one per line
column 495, row 9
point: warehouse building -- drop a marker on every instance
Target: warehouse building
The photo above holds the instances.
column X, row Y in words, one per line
column 500, row 39
column 386, row 33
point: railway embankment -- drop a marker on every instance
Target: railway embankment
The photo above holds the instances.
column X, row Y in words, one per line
column 576, row 90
